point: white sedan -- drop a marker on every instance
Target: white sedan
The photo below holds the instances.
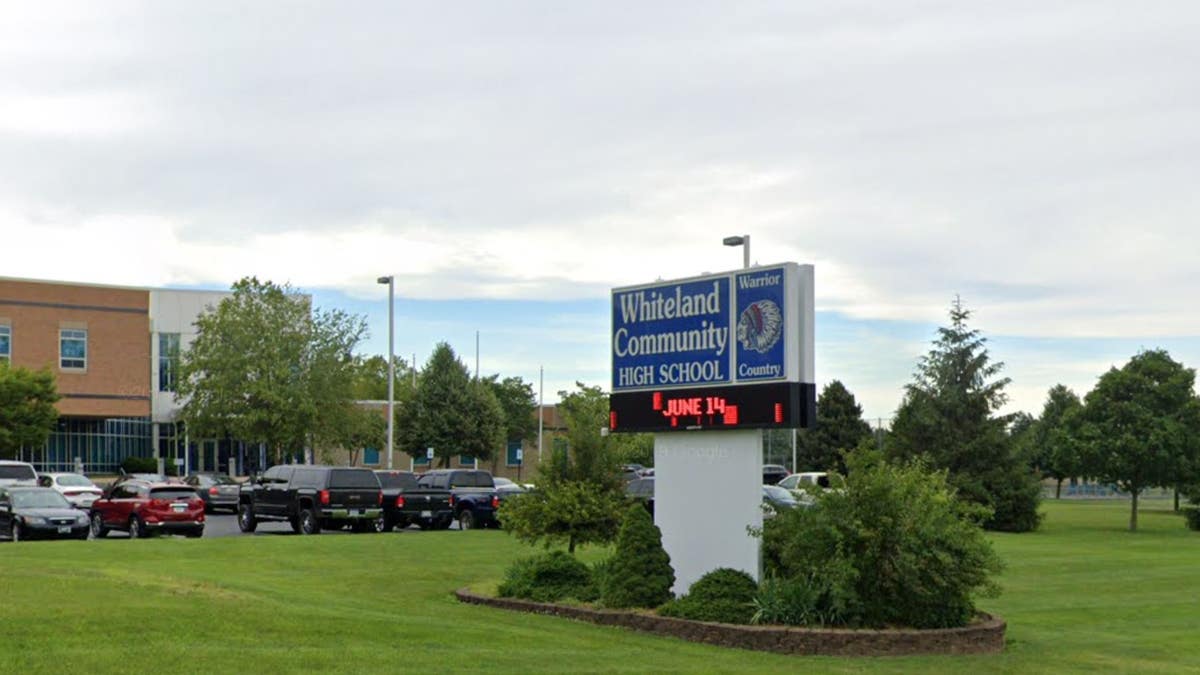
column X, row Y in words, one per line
column 78, row 489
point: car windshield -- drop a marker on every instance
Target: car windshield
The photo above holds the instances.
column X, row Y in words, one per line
column 502, row 482
column 172, row 494
column 404, row 481
column 73, row 480
column 350, row 478
column 214, row 479
column 17, row 471
column 39, row 499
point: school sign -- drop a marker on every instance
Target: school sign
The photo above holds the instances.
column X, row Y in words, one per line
column 721, row 351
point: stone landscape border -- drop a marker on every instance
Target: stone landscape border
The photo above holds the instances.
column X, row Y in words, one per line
column 984, row 636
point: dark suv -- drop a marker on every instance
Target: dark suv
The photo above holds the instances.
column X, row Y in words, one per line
column 311, row 498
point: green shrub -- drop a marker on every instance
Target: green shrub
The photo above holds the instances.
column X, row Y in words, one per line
column 548, row 578
column 573, row 513
column 1192, row 515
column 805, row 600
column 639, row 573
column 896, row 547
column 600, row 570
column 724, row 595
column 139, row 465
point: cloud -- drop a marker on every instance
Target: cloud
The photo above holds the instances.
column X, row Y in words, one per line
column 1038, row 160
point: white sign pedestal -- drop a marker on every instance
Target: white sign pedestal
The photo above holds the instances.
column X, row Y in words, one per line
column 708, row 490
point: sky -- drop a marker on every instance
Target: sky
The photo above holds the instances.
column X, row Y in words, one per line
column 510, row 163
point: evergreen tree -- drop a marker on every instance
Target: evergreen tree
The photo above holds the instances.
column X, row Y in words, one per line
column 449, row 412
column 949, row 416
column 839, row 429
column 639, row 574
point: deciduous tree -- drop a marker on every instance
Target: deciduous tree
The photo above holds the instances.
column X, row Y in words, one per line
column 1054, row 437
column 27, row 412
column 1141, row 424
column 265, row 367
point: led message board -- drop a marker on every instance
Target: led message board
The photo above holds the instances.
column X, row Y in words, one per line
column 714, row 341
column 776, row 405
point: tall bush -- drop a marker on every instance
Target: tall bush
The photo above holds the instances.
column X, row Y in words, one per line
column 639, row 574
column 895, row 547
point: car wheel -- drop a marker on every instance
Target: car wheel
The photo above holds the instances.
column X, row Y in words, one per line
column 309, row 523
column 246, row 520
column 384, row 524
column 15, row 534
column 466, row 519
column 195, row 534
column 99, row 531
column 135, row 528
column 294, row 521
column 422, row 525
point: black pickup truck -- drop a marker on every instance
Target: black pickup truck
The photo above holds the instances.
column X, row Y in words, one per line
column 446, row 495
column 312, row 497
column 394, row 484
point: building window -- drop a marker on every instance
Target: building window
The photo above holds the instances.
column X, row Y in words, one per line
column 466, row 460
column 6, row 343
column 72, row 349
column 513, row 458
column 168, row 361
column 370, row 456
column 420, row 460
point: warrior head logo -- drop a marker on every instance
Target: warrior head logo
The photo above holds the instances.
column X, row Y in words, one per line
column 760, row 326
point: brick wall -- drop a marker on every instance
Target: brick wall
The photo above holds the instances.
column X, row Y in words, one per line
column 116, row 380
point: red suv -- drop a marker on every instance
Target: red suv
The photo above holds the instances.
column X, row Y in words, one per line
column 142, row 508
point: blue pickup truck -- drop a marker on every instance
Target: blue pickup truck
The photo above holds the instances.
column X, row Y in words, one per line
column 444, row 496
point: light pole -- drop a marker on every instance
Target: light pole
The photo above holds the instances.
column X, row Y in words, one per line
column 391, row 420
column 744, row 242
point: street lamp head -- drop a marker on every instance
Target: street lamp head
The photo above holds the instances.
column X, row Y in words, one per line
column 384, row 280
column 733, row 241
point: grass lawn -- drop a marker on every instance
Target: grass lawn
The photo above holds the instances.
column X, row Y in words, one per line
column 1081, row 595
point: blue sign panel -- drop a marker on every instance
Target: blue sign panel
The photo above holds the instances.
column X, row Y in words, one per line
column 673, row 334
column 760, row 325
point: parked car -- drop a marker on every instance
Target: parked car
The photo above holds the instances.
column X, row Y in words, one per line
column 77, row 488
column 773, row 473
column 39, row 513
column 506, row 487
column 447, row 495
column 312, row 497
column 218, row 490
column 17, row 473
column 776, row 499
column 143, row 508
column 147, row 477
column 394, row 484
column 642, row 490
column 806, row 485
column 804, row 479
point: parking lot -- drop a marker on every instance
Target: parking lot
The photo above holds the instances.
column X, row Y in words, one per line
column 225, row 525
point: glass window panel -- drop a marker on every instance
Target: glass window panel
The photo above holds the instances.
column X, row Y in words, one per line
column 5, row 342
column 72, row 348
column 168, row 361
